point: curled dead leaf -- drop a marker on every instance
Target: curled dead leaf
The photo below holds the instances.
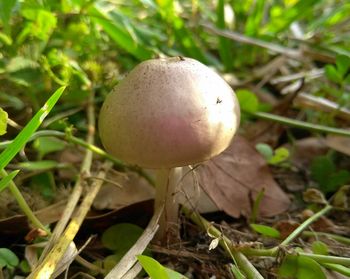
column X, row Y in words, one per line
column 234, row 179
column 339, row 143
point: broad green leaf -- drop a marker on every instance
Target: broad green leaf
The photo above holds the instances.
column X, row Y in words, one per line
column 24, row 266
column 321, row 168
column 174, row 275
column 3, row 121
column 265, row 150
column 343, row 65
column 281, row 154
column 319, row 247
column 121, row 237
column 118, row 33
column 2, row 263
column 332, row 74
column 42, row 23
column 336, row 180
column 248, row 101
column 8, row 257
column 347, row 79
column 266, row 230
column 110, row 261
column 324, row 172
column 46, row 145
column 156, row 271
column 44, row 183
column 6, row 180
column 153, row 268
column 300, row 267
column 21, row 139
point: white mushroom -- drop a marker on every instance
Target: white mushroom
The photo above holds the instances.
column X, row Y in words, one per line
column 169, row 113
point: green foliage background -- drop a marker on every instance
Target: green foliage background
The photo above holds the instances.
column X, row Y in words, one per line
column 90, row 44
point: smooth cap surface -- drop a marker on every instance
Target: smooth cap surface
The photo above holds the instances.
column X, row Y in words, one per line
column 168, row 113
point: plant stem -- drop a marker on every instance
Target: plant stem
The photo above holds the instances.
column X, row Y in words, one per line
column 117, row 163
column 305, row 224
column 301, row 124
column 48, row 266
column 327, row 259
column 24, row 205
column 338, row 268
column 339, row 238
column 98, row 151
column 166, row 182
column 242, row 262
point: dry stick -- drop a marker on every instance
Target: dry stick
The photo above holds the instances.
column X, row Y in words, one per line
column 66, row 215
column 78, row 187
column 132, row 273
column 129, row 259
column 48, row 266
column 290, row 52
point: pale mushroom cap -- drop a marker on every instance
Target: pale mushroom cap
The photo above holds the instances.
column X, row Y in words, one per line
column 168, row 113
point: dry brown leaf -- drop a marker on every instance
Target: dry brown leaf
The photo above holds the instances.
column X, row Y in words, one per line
column 18, row 224
column 286, row 227
column 339, row 143
column 126, row 190
column 234, row 179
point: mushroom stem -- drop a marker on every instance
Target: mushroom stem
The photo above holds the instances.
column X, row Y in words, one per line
column 166, row 187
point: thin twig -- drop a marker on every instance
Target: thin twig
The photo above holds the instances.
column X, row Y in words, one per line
column 301, row 124
column 290, row 52
column 55, row 248
column 305, row 224
column 48, row 266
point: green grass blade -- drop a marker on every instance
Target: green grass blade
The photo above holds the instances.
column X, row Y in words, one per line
column 6, row 180
column 119, row 34
column 188, row 45
column 224, row 43
column 282, row 21
column 21, row 139
column 255, row 18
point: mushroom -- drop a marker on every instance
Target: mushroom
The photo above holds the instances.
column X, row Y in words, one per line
column 169, row 113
